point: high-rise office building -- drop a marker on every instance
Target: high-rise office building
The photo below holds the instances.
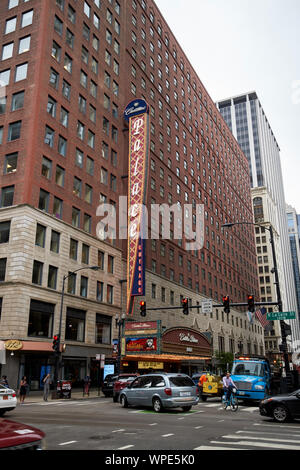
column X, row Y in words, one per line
column 68, row 69
column 293, row 221
column 248, row 122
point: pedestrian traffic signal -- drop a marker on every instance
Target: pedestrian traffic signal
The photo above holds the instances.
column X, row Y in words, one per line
column 55, row 343
column 251, row 306
column 226, row 305
column 185, row 306
column 143, row 308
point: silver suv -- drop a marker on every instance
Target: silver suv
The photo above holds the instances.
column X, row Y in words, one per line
column 161, row 390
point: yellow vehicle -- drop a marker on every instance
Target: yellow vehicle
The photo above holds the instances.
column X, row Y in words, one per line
column 213, row 387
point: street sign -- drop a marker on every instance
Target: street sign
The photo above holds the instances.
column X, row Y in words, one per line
column 206, row 306
column 281, row 316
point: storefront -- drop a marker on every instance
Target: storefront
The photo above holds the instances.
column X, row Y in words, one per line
column 35, row 359
column 178, row 349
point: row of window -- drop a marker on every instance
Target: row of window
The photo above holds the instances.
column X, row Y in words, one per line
column 57, row 209
column 37, row 278
column 11, row 24
column 15, row 3
column 41, row 323
column 206, row 276
column 19, row 74
column 40, row 241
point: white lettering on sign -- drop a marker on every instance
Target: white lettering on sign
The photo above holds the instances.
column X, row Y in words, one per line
column 188, row 337
column 136, row 126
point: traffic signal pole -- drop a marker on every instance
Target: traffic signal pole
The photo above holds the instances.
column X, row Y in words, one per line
column 278, row 293
column 279, row 303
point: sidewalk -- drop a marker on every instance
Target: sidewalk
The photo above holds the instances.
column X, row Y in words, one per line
column 76, row 394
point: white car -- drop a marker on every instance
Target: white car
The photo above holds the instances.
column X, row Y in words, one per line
column 8, row 399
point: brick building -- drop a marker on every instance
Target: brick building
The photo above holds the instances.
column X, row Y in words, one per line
column 68, row 69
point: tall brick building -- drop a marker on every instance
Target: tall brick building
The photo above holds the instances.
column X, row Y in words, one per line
column 68, row 69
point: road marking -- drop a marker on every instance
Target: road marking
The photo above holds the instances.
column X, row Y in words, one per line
column 275, row 425
column 67, row 443
column 261, row 444
column 198, row 427
column 118, row 430
column 216, row 448
column 153, row 424
column 167, row 435
column 273, row 439
column 267, row 432
column 125, row 447
column 250, row 410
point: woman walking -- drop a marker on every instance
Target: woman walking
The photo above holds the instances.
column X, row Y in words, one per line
column 23, row 389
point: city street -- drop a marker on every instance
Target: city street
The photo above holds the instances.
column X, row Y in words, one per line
column 100, row 424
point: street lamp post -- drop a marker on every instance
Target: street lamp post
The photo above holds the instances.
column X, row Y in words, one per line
column 119, row 324
column 278, row 293
column 57, row 373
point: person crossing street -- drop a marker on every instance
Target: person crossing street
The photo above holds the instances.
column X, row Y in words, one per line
column 228, row 385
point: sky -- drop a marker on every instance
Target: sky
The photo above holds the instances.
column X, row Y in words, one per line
column 237, row 46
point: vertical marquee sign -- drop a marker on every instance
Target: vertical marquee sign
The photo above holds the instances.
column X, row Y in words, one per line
column 136, row 113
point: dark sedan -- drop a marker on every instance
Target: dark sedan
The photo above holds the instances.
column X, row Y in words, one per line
column 281, row 407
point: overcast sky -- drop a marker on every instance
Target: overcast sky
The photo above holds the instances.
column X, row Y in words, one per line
column 237, row 46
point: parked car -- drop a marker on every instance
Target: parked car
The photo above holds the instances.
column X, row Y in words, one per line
column 122, row 382
column 18, row 436
column 8, row 399
column 108, row 384
column 281, row 407
column 161, row 391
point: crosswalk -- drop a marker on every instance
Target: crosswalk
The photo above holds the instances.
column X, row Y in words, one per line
column 201, row 407
column 289, row 439
column 219, row 406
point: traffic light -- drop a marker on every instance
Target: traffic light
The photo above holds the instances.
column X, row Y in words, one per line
column 143, row 308
column 55, row 343
column 251, row 306
column 185, row 306
column 287, row 329
column 226, row 303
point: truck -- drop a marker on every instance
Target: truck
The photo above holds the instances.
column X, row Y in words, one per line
column 252, row 377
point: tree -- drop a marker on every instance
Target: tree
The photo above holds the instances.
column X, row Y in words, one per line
column 224, row 360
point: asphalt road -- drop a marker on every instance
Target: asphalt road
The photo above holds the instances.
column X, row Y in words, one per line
column 100, row 424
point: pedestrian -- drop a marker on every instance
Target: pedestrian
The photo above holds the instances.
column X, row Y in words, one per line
column 87, row 383
column 202, row 379
column 23, row 389
column 47, row 382
column 4, row 381
column 228, row 385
